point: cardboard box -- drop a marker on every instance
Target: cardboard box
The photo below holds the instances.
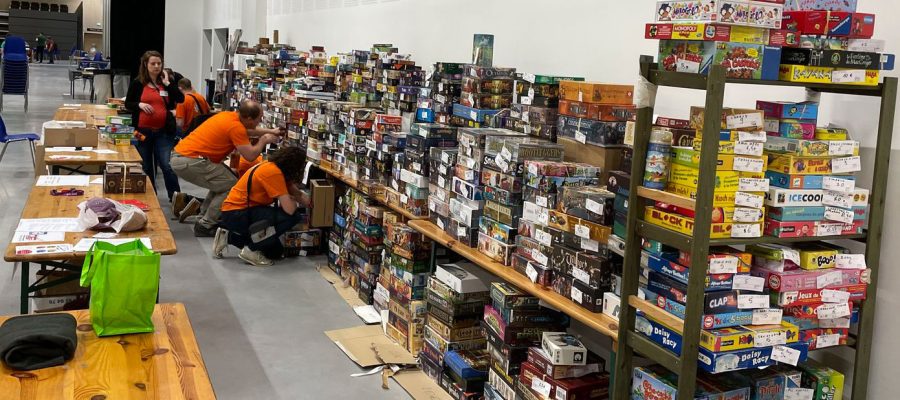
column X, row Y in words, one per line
column 825, row 382
column 743, row 359
column 593, row 92
column 793, row 165
column 726, row 181
column 323, row 203
column 563, row 349
column 124, row 178
column 806, row 74
column 811, row 148
column 71, row 137
column 788, row 110
column 729, row 339
column 459, row 278
column 685, row 225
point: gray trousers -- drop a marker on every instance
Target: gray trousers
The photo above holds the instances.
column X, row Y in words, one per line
column 215, row 177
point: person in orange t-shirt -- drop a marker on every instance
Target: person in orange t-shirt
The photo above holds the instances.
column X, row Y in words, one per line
column 251, row 201
column 193, row 105
column 198, row 157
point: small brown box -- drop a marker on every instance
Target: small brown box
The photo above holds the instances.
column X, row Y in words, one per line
column 124, row 178
column 323, row 203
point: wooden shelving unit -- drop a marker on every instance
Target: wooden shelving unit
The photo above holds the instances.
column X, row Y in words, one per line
column 601, row 323
column 355, row 185
column 699, row 243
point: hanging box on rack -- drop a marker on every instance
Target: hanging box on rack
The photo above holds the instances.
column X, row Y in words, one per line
column 124, row 178
column 322, row 202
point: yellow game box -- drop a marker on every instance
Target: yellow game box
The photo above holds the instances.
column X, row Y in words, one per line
column 818, row 257
column 832, row 134
column 720, row 198
column 724, row 162
column 806, row 74
column 725, row 180
column 746, row 337
column 793, row 165
column 685, row 225
column 735, row 119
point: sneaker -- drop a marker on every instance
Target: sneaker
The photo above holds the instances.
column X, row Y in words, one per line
column 220, row 243
column 179, row 201
column 254, row 258
column 192, row 208
column 202, row 231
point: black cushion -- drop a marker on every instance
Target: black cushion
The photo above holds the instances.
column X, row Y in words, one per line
column 33, row 342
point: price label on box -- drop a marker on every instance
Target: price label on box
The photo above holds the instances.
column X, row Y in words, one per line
column 756, row 136
column 839, row 214
column 744, row 199
column 829, row 279
column 752, row 301
column 747, row 282
column 531, row 272
column 539, row 257
column 464, row 190
column 741, row 121
column 583, row 231
column 593, row 206
column 841, row 147
column 440, row 224
column 503, row 165
column 767, row 316
column 791, row 255
column 505, row 153
column 541, row 387
column 470, row 163
column 473, row 115
column 544, row 218
column 837, row 323
column 785, row 355
column 525, row 118
column 581, row 275
column 753, row 185
column 688, row 66
column 445, row 158
column 837, row 199
column 798, row 394
column 747, row 214
column 526, row 100
column 832, row 311
column 769, row 339
column 576, row 295
column 442, row 182
column 825, row 229
column 541, row 201
column 746, row 164
column 746, row 230
column 404, row 199
column 823, row 341
column 432, row 206
column 580, row 137
column 469, row 174
column 834, row 296
column 395, row 186
column 839, row 185
column 543, row 238
column 723, row 265
column 848, row 76
column 590, row 245
column 846, row 165
column 528, row 78
column 748, row 148
column 851, row 261
column 461, row 232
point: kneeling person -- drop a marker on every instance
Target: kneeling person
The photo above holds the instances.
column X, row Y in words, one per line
column 253, row 223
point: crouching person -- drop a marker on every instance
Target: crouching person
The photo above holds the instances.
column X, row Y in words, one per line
column 261, row 207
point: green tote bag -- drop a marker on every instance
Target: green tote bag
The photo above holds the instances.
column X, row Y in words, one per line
column 124, row 281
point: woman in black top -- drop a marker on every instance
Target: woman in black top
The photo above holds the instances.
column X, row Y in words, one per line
column 151, row 97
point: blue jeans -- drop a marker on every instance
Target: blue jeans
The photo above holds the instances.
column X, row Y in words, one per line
column 237, row 222
column 156, row 151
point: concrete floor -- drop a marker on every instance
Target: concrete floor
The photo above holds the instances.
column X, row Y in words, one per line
column 260, row 330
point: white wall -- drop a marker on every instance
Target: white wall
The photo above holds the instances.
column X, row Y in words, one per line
column 600, row 40
column 183, row 38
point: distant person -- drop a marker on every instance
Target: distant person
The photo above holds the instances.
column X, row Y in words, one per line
column 93, row 51
column 150, row 98
column 251, row 202
column 39, row 46
column 198, row 158
column 51, row 49
column 193, row 105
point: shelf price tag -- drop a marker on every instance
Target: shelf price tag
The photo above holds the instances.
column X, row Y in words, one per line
column 798, row 394
column 691, row 67
column 746, row 164
column 835, row 184
column 841, row 147
column 580, row 137
column 829, row 279
column 590, row 245
column 837, row 199
column 539, row 257
column 741, row 121
column 404, row 199
column 753, row 185
column 544, row 218
column 834, row 296
column 541, row 387
column 744, row 199
column 461, row 232
column 469, row 174
column 543, row 238
column 837, row 323
column 440, row 224
column 474, row 115
column 844, row 165
column 528, row 78
column 747, row 214
column 767, row 316
column 581, row 275
column 526, row 100
column 576, row 295
column 753, row 301
column 441, row 181
column 593, row 206
column 541, row 202
column 832, row 311
column 839, row 214
column 769, row 339
column 851, row 261
column 756, row 136
column 747, row 282
column 748, row 148
column 531, row 272
column 825, row 229
column 746, row 230
column 470, row 163
column 723, row 265
column 786, row 355
column 823, row 341
column 583, row 231
column 505, row 153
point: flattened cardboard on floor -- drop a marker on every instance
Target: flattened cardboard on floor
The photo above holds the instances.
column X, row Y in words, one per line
column 420, row 386
column 345, row 291
column 368, row 346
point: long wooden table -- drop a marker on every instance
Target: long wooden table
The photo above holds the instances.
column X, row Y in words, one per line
column 41, row 204
column 122, row 154
column 91, row 114
column 166, row 364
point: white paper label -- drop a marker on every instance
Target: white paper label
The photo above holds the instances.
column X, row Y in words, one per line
column 464, row 190
column 590, row 245
column 846, row 165
column 543, row 238
column 531, row 92
column 829, row 279
column 528, row 78
column 404, row 199
column 842, row 200
column 752, row 301
column 395, row 185
column 432, row 206
column 461, row 232
column 473, row 115
column 541, row 201
column 837, row 323
column 748, row 148
column 593, row 206
column 502, row 164
column 740, row 121
column 747, row 282
column 832, row 311
column 723, row 265
column 747, row 214
column 791, row 255
column 581, row 275
column 445, row 158
column 848, row 76
column 835, row 296
column 823, row 341
column 541, row 387
column 786, row 355
column 525, row 118
column 839, row 214
column 533, row 169
column 753, row 185
column 824, row 229
column 745, row 164
column 470, row 163
column 526, row 100
column 531, row 272
column 576, row 295
column 798, row 394
column 442, row 182
column 691, row 67
column 539, row 257
column 767, row 316
column 544, row 218
column 505, row 153
column 757, row 136
column 851, row 261
column 841, row 147
column 334, row 248
column 440, row 224
column 746, row 230
column 835, row 184
column 580, row 137
column 469, row 175
column 751, row 200
column 769, row 339
column 583, row 231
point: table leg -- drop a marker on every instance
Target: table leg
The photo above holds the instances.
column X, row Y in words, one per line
column 26, row 275
column 54, row 169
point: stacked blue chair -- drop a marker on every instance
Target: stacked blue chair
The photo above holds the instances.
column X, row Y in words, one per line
column 14, row 74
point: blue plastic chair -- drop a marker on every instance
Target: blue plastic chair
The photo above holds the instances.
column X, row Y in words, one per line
column 14, row 71
column 14, row 49
column 6, row 139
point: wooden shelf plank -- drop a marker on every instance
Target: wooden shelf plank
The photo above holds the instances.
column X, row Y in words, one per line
column 666, row 197
column 599, row 322
column 657, row 314
column 355, row 185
